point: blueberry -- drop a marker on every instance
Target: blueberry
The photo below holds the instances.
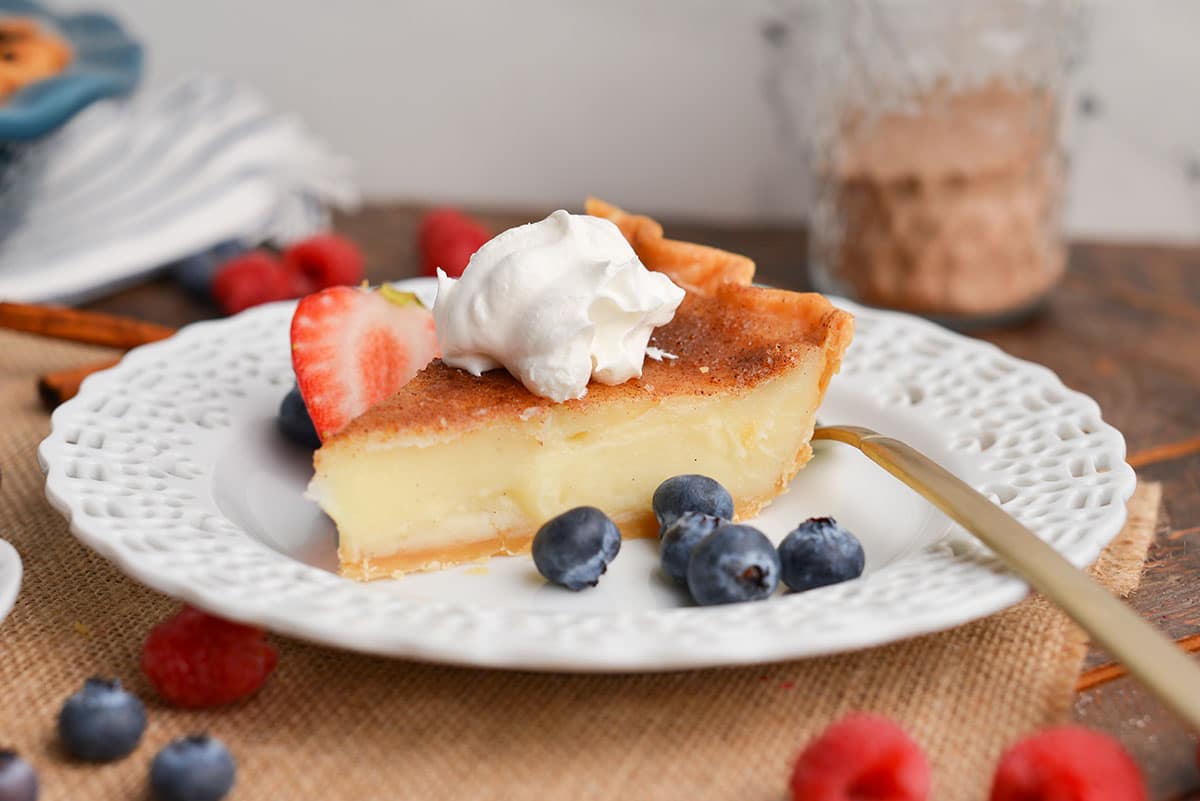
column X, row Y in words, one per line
column 680, row 538
column 101, row 722
column 192, row 768
column 18, row 782
column 295, row 422
column 690, row 493
column 574, row 549
column 734, row 563
column 195, row 272
column 818, row 553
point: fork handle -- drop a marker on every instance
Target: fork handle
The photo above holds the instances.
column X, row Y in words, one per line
column 1165, row 669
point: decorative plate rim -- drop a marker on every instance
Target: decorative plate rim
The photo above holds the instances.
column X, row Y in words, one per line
column 965, row 581
column 10, row 577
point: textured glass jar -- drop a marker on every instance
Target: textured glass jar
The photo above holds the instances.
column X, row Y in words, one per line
column 938, row 173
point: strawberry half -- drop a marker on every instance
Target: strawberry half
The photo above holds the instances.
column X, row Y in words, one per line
column 352, row 348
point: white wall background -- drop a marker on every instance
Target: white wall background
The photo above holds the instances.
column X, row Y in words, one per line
column 669, row 106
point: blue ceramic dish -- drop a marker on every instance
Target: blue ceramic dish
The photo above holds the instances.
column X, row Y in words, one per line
column 106, row 62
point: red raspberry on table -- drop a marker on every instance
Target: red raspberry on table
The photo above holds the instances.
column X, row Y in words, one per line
column 325, row 260
column 447, row 238
column 861, row 758
column 1069, row 763
column 250, row 279
column 196, row 660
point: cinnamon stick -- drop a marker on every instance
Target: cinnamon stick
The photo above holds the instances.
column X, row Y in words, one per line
column 1103, row 674
column 93, row 328
column 62, row 385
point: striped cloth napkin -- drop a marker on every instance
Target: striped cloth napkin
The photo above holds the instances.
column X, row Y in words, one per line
column 129, row 186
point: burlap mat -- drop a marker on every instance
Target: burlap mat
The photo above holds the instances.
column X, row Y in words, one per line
column 331, row 725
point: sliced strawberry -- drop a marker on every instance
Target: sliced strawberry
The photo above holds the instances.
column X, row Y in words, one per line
column 351, row 348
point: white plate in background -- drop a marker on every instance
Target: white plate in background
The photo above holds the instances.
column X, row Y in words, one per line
column 10, row 577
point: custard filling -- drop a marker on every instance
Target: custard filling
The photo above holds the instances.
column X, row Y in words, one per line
column 463, row 495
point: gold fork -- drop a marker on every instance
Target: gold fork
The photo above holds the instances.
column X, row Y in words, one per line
column 1165, row 669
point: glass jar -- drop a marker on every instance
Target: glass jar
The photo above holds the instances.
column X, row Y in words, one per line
column 938, row 173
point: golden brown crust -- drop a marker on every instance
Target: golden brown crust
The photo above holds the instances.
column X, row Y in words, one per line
column 727, row 343
column 692, row 266
column 407, row 561
column 728, row 336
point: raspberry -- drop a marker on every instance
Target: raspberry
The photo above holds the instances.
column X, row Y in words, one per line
column 299, row 284
column 447, row 238
column 861, row 758
column 250, row 279
column 325, row 260
column 453, row 256
column 197, row 660
column 1069, row 763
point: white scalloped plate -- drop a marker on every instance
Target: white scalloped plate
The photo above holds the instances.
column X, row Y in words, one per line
column 170, row 465
column 10, row 577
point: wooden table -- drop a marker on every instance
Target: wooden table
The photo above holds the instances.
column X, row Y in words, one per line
column 1124, row 328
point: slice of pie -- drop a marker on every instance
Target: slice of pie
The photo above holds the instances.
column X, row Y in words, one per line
column 456, row 468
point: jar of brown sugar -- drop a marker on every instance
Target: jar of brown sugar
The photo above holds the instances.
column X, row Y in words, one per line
column 938, row 174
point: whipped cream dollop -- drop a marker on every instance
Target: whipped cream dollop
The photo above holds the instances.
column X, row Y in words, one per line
column 557, row 303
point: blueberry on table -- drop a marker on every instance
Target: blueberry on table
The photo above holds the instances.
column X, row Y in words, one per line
column 102, row 722
column 195, row 272
column 734, row 563
column 690, row 493
column 819, row 553
column 193, row 768
column 18, row 782
column 680, row 538
column 574, row 549
column 295, row 422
